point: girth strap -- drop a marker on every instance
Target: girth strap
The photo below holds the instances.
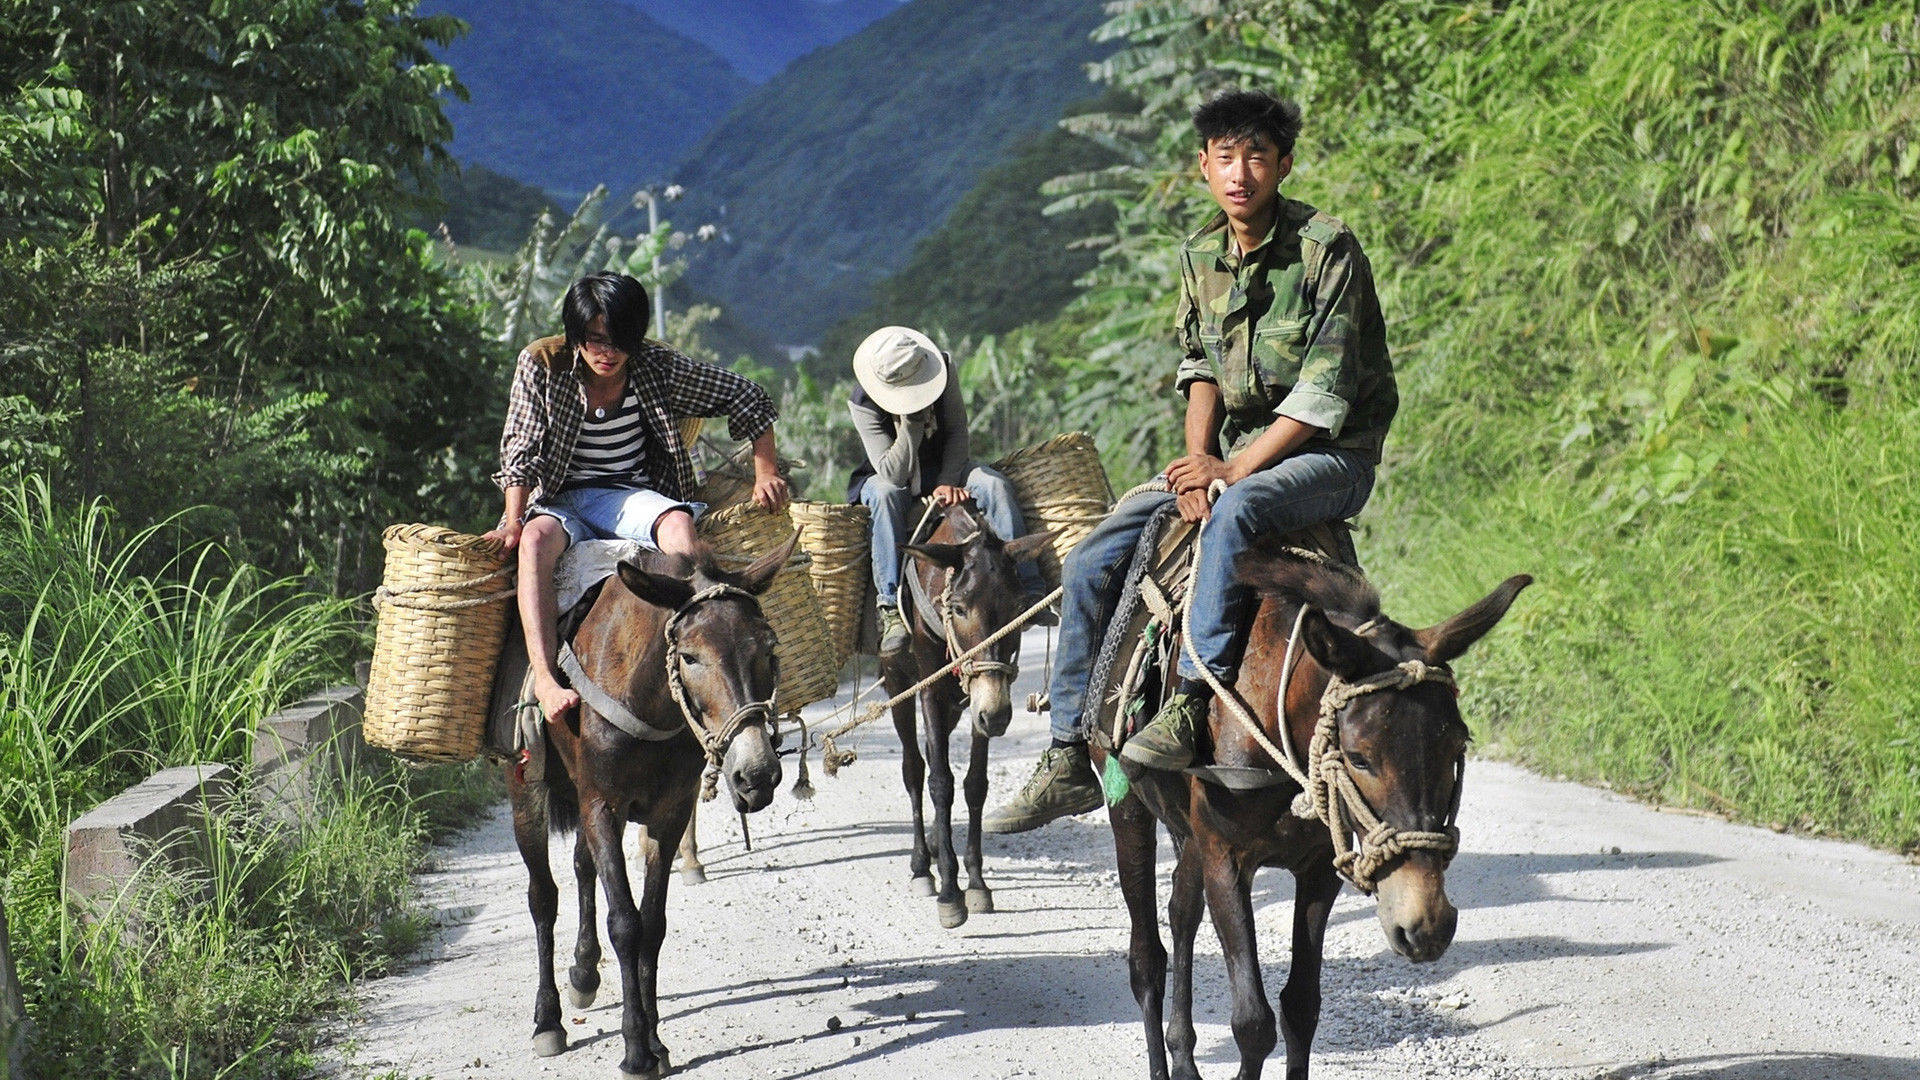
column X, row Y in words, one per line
column 606, row 704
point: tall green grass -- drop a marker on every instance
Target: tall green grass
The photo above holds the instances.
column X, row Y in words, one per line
column 107, row 673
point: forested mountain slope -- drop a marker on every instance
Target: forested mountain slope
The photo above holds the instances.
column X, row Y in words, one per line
column 825, row 176
column 760, row 37
column 567, row 94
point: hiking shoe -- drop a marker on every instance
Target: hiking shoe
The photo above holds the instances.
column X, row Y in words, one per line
column 893, row 630
column 1047, row 616
column 1062, row 786
column 1167, row 741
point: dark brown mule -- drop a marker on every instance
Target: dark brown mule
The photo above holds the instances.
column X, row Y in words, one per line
column 1404, row 747
column 708, row 626
column 970, row 571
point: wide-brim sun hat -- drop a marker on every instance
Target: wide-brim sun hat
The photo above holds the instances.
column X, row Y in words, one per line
column 901, row 369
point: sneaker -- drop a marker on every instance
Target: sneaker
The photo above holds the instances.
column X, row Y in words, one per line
column 1167, row 740
column 893, row 630
column 1062, row 786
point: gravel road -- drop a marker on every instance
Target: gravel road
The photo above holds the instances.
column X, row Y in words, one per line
column 1599, row 938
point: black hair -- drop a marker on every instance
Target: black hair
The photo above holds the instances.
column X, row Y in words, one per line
column 1235, row 116
column 618, row 297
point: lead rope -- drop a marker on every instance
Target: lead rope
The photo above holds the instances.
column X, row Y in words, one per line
column 714, row 746
column 832, row 757
column 966, row 670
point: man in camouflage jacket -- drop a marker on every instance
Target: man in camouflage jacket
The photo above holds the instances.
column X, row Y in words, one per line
column 1285, row 360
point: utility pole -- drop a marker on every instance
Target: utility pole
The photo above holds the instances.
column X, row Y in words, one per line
column 650, row 198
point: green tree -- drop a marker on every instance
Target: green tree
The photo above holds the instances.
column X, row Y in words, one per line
column 213, row 294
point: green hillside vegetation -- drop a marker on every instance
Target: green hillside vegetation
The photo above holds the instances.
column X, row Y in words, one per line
column 825, row 176
column 1650, row 273
column 568, row 94
column 759, row 37
column 997, row 263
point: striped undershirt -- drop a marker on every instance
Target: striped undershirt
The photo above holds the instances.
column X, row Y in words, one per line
column 610, row 451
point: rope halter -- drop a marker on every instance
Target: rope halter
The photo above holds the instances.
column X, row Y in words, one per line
column 1332, row 795
column 714, row 745
column 970, row 664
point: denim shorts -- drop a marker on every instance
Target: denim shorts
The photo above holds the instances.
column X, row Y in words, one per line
column 611, row 513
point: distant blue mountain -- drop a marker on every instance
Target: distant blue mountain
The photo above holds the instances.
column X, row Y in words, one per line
column 823, row 178
column 567, row 94
column 761, row 37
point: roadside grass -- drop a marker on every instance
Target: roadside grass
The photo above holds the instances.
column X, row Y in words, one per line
column 107, row 674
column 1748, row 651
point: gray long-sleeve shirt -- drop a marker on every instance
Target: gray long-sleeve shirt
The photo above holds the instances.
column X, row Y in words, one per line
column 893, row 443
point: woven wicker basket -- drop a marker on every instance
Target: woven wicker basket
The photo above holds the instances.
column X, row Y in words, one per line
column 809, row 670
column 443, row 609
column 1061, row 485
column 837, row 537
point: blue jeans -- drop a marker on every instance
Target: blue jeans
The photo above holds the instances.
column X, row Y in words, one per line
column 896, row 511
column 1305, row 489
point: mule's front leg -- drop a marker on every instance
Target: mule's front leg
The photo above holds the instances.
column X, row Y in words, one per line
column 913, row 774
column 1313, row 895
column 936, row 724
column 1184, row 909
column 543, row 901
column 1229, row 889
column 1134, row 843
column 603, row 827
column 653, row 931
column 979, row 897
column 583, row 979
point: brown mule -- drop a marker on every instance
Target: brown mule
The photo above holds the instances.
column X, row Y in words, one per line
column 1392, row 725
column 964, row 566
column 666, row 619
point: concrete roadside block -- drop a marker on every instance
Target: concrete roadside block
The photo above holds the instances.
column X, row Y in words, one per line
column 304, row 747
column 15, row 1029
column 165, row 813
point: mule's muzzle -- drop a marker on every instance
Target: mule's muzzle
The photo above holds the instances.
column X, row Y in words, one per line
column 991, row 698
column 752, row 769
column 1414, row 911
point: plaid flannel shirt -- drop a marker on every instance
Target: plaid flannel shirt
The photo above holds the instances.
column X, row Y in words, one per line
column 549, row 403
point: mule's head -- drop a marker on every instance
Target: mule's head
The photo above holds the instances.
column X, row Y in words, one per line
column 982, row 596
column 722, row 649
column 1405, row 748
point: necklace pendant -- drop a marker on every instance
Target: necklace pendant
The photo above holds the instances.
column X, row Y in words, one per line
column 599, row 413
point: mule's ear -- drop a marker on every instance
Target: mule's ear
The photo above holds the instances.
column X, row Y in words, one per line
column 951, row 556
column 966, row 522
column 757, row 577
column 1341, row 651
column 1444, row 641
column 660, row 590
column 1030, row 545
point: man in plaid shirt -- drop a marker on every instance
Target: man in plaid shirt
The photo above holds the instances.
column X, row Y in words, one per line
column 592, row 450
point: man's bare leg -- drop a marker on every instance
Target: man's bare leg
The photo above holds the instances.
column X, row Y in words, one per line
column 541, row 542
column 674, row 534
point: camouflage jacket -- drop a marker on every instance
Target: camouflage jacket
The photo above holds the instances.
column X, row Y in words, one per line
column 1291, row 329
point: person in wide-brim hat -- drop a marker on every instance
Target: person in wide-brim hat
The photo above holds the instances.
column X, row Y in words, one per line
column 912, row 422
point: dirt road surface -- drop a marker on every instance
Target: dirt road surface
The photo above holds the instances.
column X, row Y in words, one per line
column 1599, row 938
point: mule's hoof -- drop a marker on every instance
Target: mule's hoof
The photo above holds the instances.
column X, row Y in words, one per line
column 921, row 886
column 660, row 1069
column 693, row 875
column 581, row 999
column 952, row 915
column 549, row 1043
column 980, row 901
